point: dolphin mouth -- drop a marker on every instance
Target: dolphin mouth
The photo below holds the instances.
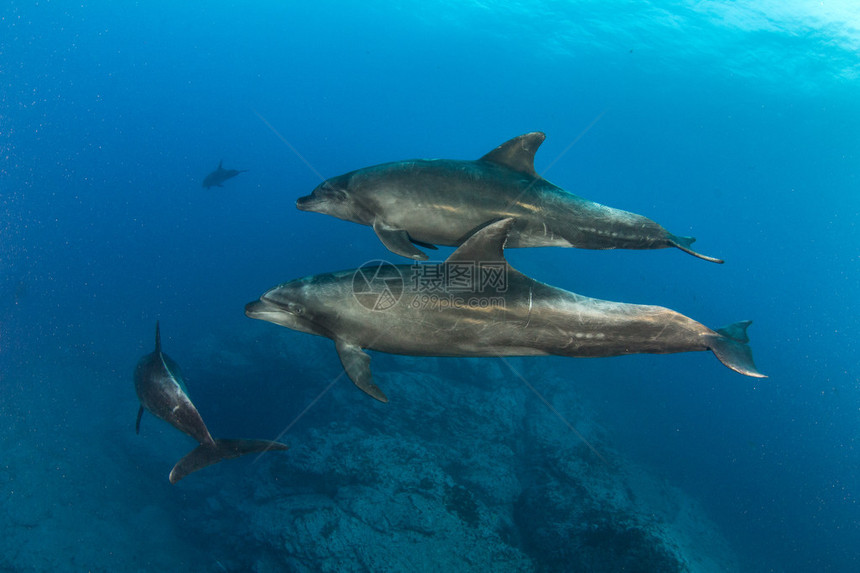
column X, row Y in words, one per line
column 259, row 309
column 307, row 203
column 269, row 311
column 263, row 309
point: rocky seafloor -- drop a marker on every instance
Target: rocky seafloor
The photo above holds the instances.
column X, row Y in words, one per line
column 467, row 468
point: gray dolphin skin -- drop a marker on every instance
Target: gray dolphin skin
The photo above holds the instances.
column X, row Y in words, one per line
column 443, row 202
column 505, row 313
column 220, row 175
column 161, row 390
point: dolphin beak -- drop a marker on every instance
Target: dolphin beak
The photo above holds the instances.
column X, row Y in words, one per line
column 306, row 203
column 264, row 310
column 270, row 312
column 258, row 309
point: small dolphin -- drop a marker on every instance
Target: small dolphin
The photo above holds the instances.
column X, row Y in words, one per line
column 486, row 308
column 161, row 390
column 444, row 201
column 220, row 175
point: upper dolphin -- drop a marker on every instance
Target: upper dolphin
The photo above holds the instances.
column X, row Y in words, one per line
column 475, row 304
column 444, row 201
column 220, row 175
column 161, row 390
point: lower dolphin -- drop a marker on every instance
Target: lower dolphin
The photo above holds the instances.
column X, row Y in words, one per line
column 161, row 390
column 499, row 312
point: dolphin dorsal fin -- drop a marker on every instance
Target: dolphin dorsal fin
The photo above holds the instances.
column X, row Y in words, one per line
column 157, row 337
column 485, row 245
column 518, row 153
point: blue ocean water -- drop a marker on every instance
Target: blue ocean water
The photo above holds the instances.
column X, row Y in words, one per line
column 736, row 123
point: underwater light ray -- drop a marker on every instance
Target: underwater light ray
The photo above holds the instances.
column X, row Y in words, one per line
column 305, row 411
column 288, row 144
column 310, row 405
column 574, row 142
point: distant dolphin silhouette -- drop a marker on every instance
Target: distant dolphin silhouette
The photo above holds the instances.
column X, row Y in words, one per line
column 161, row 390
column 490, row 309
column 430, row 202
column 220, row 175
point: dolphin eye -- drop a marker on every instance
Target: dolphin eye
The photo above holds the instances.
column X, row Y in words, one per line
column 295, row 308
column 334, row 193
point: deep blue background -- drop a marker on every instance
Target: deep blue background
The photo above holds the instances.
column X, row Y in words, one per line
column 736, row 125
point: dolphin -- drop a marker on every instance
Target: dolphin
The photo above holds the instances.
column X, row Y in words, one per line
column 220, row 175
column 161, row 390
column 484, row 308
column 430, row 202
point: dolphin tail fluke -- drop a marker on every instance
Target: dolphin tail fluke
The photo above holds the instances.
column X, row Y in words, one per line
column 731, row 345
column 207, row 454
column 685, row 244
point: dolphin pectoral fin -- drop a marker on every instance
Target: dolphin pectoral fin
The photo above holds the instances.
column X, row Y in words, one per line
column 685, row 243
column 730, row 346
column 207, row 454
column 397, row 241
column 356, row 363
column 137, row 423
column 425, row 245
